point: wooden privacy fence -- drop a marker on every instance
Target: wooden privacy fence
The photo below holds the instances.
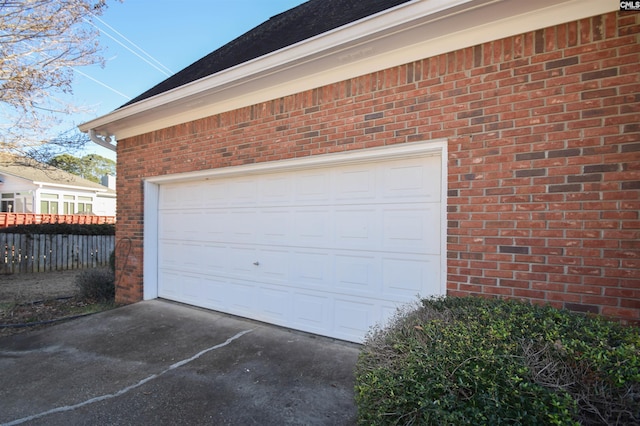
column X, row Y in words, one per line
column 24, row 253
column 15, row 219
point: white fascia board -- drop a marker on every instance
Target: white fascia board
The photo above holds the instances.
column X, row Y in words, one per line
column 52, row 185
column 406, row 33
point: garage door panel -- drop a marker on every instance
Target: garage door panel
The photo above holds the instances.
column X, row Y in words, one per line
column 191, row 255
column 310, row 268
column 214, row 294
column 190, row 226
column 180, row 196
column 241, row 260
column 274, row 264
column 358, row 184
column 169, row 282
column 419, row 178
column 240, row 298
column 274, row 227
column 191, row 288
column 276, row 190
column 215, row 226
column 311, row 227
column 355, row 228
column 243, row 192
column 169, row 225
column 184, row 256
column 217, row 194
column 275, row 305
column 331, row 250
column 353, row 318
column 183, row 226
column 312, row 312
column 242, row 226
column 166, row 225
column 412, row 229
column 357, row 274
column 312, row 186
column 166, row 248
column 213, row 259
column 405, row 278
column 182, row 287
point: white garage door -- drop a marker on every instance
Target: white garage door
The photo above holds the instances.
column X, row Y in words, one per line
column 329, row 250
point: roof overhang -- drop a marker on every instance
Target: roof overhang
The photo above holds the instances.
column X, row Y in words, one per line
column 412, row 31
column 49, row 184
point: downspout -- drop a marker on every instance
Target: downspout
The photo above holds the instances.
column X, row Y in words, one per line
column 106, row 142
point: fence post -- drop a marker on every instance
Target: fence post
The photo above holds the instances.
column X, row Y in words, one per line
column 28, row 253
column 3, row 254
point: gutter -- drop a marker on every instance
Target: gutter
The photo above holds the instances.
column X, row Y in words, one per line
column 104, row 142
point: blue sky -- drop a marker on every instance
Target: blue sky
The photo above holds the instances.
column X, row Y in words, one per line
column 173, row 33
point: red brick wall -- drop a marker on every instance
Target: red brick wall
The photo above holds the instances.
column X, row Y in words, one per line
column 544, row 158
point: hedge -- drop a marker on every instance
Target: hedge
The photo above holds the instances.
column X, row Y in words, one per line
column 62, row 228
column 475, row 361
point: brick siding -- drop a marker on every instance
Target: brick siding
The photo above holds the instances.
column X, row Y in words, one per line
column 543, row 170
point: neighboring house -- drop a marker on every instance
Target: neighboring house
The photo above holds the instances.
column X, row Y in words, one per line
column 30, row 187
column 346, row 156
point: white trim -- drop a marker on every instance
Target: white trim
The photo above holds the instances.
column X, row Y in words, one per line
column 152, row 192
column 150, row 237
column 63, row 186
column 444, row 197
column 321, row 160
column 411, row 31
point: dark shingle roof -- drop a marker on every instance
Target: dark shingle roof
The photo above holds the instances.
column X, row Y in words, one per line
column 300, row 23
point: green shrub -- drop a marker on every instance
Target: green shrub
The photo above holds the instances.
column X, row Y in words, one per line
column 96, row 285
column 456, row 361
column 62, row 228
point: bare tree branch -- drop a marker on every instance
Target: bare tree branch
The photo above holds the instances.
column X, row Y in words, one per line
column 41, row 41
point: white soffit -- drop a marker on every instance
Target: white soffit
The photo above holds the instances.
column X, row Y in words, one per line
column 53, row 185
column 406, row 33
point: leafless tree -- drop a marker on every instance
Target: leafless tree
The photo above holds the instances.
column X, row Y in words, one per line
column 41, row 42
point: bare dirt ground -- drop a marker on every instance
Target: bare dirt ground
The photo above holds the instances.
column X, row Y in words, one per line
column 31, row 301
column 27, row 288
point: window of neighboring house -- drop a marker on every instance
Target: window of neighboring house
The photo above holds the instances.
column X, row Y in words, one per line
column 49, row 204
column 85, row 205
column 20, row 205
column 8, row 202
column 16, row 203
column 68, row 207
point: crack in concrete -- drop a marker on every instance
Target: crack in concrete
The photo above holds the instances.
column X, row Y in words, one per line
column 128, row 388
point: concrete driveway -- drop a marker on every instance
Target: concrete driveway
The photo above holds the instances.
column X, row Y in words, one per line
column 161, row 363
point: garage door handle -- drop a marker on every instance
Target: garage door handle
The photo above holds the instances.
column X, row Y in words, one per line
column 256, row 263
